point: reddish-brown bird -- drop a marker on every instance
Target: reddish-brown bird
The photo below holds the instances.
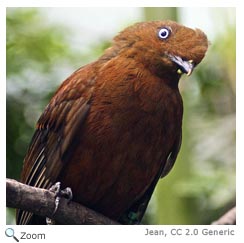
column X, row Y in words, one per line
column 113, row 128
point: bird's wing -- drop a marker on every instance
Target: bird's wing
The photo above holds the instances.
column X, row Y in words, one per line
column 54, row 134
column 137, row 210
column 172, row 156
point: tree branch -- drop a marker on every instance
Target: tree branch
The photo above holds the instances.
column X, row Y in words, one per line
column 41, row 202
column 228, row 218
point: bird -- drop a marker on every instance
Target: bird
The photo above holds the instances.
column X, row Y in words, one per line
column 114, row 127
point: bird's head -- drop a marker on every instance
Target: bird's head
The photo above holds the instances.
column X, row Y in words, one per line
column 163, row 46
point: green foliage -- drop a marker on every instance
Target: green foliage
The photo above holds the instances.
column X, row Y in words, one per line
column 34, row 49
column 32, row 42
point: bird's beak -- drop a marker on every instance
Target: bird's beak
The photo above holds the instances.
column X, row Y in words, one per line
column 184, row 66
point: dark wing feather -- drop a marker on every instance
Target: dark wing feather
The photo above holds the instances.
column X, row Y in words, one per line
column 172, row 156
column 136, row 212
column 56, row 128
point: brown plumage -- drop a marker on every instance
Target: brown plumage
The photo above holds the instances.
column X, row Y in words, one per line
column 113, row 128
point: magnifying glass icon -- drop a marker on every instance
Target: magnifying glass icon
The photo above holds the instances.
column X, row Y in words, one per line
column 9, row 232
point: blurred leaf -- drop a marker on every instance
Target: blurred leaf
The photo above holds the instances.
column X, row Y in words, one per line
column 34, row 49
column 32, row 42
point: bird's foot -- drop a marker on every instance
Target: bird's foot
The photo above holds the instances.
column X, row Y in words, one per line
column 66, row 193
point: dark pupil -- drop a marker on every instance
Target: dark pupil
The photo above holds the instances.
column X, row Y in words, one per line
column 164, row 33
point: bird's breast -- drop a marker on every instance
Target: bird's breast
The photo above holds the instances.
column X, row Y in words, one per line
column 127, row 136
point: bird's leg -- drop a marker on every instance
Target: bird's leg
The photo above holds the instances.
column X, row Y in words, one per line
column 66, row 193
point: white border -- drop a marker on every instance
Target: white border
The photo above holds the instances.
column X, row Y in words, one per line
column 119, row 3
column 125, row 233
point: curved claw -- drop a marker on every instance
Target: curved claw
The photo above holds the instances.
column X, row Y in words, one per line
column 66, row 193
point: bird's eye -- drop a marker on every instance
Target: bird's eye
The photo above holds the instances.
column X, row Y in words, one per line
column 164, row 33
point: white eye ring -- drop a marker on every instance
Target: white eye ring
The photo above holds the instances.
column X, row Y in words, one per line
column 164, row 33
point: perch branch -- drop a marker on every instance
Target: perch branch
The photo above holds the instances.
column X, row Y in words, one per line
column 228, row 218
column 41, row 202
